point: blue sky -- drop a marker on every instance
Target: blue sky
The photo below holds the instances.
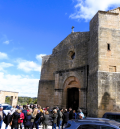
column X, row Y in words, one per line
column 30, row 29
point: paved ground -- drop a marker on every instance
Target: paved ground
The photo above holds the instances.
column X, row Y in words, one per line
column 40, row 127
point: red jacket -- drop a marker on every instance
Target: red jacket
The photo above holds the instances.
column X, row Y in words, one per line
column 21, row 116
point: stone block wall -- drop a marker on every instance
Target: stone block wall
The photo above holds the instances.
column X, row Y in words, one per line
column 92, row 89
column 46, row 93
column 109, row 33
column 109, row 92
column 92, row 95
column 108, row 62
column 59, row 65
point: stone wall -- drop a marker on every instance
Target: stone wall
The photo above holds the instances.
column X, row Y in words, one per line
column 109, row 92
column 13, row 95
column 92, row 89
column 108, row 62
column 109, row 33
column 59, row 66
column 46, row 93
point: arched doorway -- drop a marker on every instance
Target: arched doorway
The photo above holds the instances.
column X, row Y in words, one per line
column 71, row 93
column 73, row 98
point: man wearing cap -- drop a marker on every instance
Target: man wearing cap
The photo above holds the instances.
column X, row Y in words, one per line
column 2, row 115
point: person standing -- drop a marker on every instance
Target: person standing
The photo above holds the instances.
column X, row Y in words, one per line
column 2, row 116
column 15, row 117
column 60, row 117
column 74, row 114
column 80, row 114
column 70, row 114
column 28, row 118
column 24, row 111
column 34, row 116
column 46, row 120
column 7, row 119
column 37, row 119
column 65, row 118
column 20, row 120
column 54, row 116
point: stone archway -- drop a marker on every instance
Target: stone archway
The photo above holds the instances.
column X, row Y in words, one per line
column 70, row 83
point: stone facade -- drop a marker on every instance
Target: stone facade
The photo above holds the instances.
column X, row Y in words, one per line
column 88, row 63
column 14, row 97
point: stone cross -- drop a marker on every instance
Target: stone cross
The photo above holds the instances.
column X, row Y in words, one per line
column 72, row 29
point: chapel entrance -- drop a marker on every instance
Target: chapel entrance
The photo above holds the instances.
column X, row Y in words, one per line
column 73, row 98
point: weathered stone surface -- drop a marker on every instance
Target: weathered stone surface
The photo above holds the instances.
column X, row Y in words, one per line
column 88, row 61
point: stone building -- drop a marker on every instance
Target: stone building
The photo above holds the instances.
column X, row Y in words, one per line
column 84, row 69
column 13, row 95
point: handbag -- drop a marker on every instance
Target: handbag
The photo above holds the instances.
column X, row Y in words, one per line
column 11, row 123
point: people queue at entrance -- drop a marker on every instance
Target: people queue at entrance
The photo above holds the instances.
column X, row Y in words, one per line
column 33, row 116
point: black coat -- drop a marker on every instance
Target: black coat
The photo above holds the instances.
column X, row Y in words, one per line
column 8, row 119
column 15, row 118
column 70, row 115
column 37, row 117
column 65, row 117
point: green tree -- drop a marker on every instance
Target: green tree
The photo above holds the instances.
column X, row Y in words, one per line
column 35, row 101
column 8, row 100
column 29, row 100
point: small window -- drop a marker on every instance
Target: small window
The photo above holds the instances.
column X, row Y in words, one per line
column 72, row 55
column 108, row 47
column 112, row 68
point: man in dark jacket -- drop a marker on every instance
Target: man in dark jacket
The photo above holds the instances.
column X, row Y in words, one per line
column 70, row 113
column 58, row 116
column 65, row 118
column 25, row 113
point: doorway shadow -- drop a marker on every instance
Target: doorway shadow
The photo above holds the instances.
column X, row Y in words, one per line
column 73, row 98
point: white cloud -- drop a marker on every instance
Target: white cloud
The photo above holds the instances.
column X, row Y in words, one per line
column 39, row 57
column 28, row 66
column 6, row 42
column 86, row 9
column 5, row 65
column 3, row 55
column 25, row 85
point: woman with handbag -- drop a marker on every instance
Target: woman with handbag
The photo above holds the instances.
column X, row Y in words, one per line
column 15, row 117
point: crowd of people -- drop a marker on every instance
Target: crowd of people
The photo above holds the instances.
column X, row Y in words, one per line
column 32, row 116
